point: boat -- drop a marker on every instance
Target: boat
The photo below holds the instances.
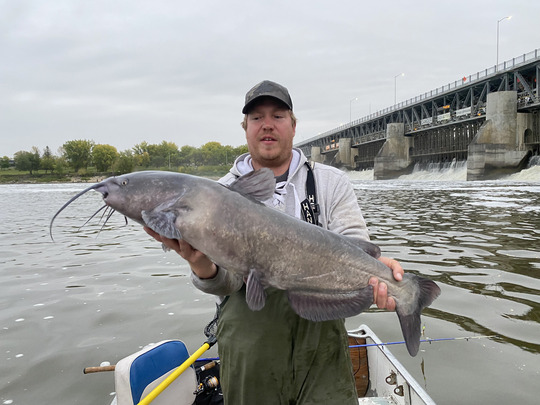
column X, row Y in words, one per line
column 380, row 378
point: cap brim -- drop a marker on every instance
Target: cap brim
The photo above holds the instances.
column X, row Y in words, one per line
column 254, row 101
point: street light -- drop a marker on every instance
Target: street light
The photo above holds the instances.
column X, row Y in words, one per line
column 350, row 108
column 395, row 86
column 498, row 22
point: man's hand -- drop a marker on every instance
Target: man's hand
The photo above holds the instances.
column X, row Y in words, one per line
column 380, row 290
column 200, row 264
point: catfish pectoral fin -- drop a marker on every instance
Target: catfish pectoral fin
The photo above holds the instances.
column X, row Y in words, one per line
column 255, row 294
column 162, row 222
column 318, row 306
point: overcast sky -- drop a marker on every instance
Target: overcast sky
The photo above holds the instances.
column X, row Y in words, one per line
column 123, row 72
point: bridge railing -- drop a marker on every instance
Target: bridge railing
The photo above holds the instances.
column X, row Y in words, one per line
column 466, row 80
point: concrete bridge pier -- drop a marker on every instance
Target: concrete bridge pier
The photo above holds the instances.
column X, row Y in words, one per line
column 316, row 155
column 345, row 152
column 393, row 159
column 498, row 147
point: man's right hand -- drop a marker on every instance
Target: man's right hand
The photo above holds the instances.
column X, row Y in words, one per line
column 200, row 264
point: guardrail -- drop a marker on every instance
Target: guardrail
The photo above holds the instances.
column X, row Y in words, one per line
column 492, row 71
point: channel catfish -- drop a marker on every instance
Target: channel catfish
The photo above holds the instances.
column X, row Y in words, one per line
column 325, row 274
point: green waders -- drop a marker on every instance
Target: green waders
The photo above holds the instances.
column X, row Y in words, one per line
column 274, row 357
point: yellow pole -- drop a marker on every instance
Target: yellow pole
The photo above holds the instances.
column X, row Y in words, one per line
column 174, row 375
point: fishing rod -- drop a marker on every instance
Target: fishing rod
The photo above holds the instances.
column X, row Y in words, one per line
column 427, row 340
column 89, row 370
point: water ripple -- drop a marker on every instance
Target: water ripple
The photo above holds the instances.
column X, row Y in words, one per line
column 98, row 295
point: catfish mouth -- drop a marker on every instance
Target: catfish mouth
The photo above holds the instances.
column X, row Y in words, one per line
column 102, row 188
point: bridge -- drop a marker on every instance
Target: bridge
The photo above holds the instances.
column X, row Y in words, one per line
column 491, row 119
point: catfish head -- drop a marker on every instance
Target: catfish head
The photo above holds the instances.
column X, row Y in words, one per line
column 133, row 193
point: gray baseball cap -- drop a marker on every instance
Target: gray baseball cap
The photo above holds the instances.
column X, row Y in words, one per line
column 266, row 88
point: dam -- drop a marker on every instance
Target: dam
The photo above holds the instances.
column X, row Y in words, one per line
column 490, row 119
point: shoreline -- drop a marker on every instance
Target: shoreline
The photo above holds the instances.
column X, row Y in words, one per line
column 42, row 178
column 27, row 179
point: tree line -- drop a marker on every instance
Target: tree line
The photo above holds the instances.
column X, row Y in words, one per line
column 79, row 155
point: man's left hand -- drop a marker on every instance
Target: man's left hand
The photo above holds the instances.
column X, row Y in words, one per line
column 380, row 290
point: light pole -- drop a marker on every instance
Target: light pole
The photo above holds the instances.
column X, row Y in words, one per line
column 350, row 108
column 395, row 86
column 498, row 22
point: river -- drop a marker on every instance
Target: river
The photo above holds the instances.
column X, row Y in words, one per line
column 96, row 295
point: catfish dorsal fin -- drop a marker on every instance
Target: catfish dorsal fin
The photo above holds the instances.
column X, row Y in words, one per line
column 258, row 184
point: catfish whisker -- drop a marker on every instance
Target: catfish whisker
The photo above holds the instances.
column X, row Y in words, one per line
column 106, row 219
column 95, row 186
column 94, row 214
column 106, row 213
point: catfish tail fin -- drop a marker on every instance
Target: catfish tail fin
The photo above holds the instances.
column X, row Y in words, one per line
column 409, row 316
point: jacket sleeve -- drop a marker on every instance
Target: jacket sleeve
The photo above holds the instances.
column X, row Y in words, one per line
column 223, row 284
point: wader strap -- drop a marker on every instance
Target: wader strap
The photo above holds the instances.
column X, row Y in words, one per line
column 309, row 207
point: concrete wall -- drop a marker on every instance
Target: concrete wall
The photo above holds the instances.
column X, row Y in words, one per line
column 344, row 152
column 498, row 148
column 524, row 122
column 393, row 158
column 316, row 155
column 501, row 110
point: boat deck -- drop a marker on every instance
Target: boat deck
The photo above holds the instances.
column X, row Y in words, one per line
column 376, row 401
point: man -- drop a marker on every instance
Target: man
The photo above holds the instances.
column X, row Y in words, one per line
column 273, row 356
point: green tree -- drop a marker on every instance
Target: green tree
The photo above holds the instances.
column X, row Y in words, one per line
column 230, row 155
column 47, row 160
column 4, row 163
column 142, row 160
column 212, row 153
column 125, row 162
column 46, row 152
column 35, row 159
column 104, row 156
column 140, row 148
column 60, row 165
column 78, row 153
column 189, row 156
column 165, row 154
column 240, row 150
column 23, row 161
column 140, row 154
column 27, row 161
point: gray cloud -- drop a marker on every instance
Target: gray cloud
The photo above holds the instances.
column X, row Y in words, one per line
column 123, row 72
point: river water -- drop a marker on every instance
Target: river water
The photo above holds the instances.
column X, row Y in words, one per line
column 94, row 296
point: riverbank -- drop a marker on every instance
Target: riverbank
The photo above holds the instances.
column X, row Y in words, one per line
column 48, row 178
column 17, row 177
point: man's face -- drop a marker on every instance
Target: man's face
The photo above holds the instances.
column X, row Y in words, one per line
column 269, row 133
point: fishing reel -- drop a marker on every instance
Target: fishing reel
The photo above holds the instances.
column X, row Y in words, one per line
column 208, row 384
